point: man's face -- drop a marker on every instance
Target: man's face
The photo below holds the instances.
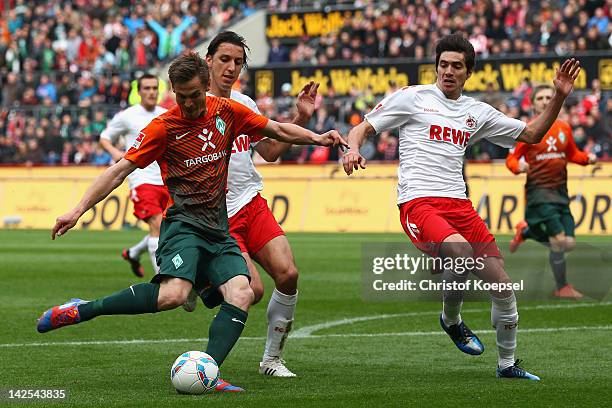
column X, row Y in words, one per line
column 148, row 91
column 452, row 73
column 225, row 65
column 541, row 100
column 191, row 97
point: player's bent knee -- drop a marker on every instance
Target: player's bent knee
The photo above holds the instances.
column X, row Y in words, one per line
column 288, row 276
column 570, row 244
column 237, row 291
column 172, row 296
column 557, row 243
column 242, row 297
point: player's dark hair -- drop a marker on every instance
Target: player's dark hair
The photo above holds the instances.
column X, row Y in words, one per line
column 228, row 37
column 145, row 76
column 457, row 43
column 188, row 66
column 539, row 88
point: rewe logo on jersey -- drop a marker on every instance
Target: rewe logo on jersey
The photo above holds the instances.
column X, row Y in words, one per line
column 241, row 144
column 206, row 136
column 450, row 135
column 138, row 140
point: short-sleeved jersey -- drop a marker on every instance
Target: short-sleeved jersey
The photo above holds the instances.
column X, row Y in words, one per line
column 434, row 132
column 193, row 156
column 128, row 123
column 547, row 174
column 243, row 180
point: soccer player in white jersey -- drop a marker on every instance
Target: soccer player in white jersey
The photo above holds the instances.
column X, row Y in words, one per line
column 252, row 224
column 435, row 123
column 147, row 190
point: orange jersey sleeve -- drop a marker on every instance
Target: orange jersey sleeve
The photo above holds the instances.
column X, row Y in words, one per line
column 247, row 122
column 572, row 153
column 514, row 157
column 150, row 144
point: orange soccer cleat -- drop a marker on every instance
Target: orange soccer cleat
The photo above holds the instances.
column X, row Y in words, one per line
column 568, row 292
column 518, row 236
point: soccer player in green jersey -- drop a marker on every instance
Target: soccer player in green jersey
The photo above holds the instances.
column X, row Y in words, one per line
column 192, row 143
column 547, row 213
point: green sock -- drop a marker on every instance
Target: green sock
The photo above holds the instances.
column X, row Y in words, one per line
column 557, row 264
column 224, row 331
column 136, row 299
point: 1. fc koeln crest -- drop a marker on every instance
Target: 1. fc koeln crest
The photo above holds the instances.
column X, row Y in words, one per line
column 470, row 122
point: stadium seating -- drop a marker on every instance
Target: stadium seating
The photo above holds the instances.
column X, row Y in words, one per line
column 67, row 66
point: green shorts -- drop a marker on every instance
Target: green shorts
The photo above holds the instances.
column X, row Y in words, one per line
column 187, row 252
column 548, row 220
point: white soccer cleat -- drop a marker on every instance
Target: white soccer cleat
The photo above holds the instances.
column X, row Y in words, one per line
column 275, row 367
column 192, row 301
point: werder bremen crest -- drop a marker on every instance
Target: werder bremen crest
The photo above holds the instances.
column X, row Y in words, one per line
column 220, row 125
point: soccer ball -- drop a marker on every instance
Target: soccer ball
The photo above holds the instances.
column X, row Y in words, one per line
column 194, row 372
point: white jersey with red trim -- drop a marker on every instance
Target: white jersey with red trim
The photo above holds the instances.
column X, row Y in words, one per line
column 129, row 123
column 243, row 180
column 434, row 132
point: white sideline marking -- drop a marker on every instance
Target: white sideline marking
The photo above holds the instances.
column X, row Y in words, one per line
column 306, row 332
column 113, row 342
column 440, row 332
column 313, row 336
column 309, row 330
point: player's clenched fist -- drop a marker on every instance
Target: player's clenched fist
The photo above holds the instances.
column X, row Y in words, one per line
column 331, row 139
column 352, row 160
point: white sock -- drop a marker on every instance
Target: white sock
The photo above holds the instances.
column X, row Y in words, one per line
column 504, row 318
column 152, row 246
column 451, row 312
column 139, row 248
column 280, row 317
column 452, row 299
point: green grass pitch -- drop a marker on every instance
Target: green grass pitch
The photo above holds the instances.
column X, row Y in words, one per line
column 124, row 361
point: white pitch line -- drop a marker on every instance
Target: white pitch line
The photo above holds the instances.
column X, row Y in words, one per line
column 440, row 332
column 319, row 336
column 113, row 342
column 309, row 330
column 306, row 332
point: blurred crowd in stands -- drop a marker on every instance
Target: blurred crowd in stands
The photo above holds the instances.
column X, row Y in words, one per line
column 589, row 113
column 67, row 66
column 411, row 28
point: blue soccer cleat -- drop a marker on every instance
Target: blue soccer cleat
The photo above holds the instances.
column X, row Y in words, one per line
column 515, row 371
column 224, row 386
column 60, row 316
column 463, row 338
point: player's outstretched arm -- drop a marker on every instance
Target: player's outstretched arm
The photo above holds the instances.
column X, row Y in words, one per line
column 352, row 160
column 271, row 149
column 563, row 82
column 101, row 187
column 294, row 134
